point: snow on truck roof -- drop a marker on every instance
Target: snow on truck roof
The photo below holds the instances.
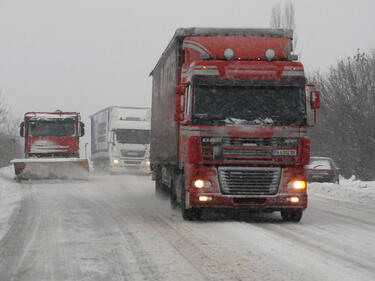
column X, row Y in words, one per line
column 122, row 107
column 258, row 32
column 181, row 33
column 51, row 115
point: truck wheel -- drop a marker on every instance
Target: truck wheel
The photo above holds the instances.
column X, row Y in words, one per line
column 173, row 198
column 173, row 191
column 190, row 214
column 159, row 188
column 292, row 215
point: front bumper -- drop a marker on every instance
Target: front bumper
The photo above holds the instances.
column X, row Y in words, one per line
column 124, row 166
column 274, row 203
column 285, row 196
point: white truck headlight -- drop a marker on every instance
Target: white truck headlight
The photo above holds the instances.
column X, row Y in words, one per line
column 199, row 183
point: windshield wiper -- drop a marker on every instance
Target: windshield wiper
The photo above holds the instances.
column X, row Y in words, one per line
column 213, row 119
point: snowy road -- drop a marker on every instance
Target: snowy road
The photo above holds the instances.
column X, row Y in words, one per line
column 113, row 228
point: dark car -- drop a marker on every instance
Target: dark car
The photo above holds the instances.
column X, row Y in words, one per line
column 322, row 169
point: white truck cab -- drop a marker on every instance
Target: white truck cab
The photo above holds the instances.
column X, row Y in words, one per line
column 121, row 139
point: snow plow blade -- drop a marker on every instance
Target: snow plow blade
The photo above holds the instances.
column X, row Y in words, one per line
column 51, row 168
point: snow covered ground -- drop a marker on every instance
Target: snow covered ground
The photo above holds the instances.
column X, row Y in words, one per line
column 10, row 198
column 114, row 228
column 350, row 190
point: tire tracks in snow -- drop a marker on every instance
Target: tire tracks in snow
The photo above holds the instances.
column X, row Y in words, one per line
column 20, row 235
column 210, row 259
column 147, row 268
column 28, row 248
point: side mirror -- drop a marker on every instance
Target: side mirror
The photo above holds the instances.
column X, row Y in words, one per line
column 112, row 138
column 180, row 89
column 22, row 131
column 312, row 97
column 81, row 129
column 178, row 116
column 315, row 100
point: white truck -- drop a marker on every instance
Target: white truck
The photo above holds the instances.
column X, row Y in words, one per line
column 120, row 139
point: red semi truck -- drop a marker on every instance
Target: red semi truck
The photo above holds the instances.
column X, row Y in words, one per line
column 51, row 146
column 230, row 111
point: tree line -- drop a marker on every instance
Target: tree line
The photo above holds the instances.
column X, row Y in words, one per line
column 345, row 130
column 10, row 142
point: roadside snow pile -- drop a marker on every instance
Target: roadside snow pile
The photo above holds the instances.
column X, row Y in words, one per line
column 10, row 197
column 352, row 190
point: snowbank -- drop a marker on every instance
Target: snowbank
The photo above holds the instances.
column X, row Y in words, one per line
column 351, row 190
column 10, row 197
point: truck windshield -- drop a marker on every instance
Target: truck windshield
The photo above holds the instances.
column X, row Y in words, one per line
column 133, row 136
column 278, row 106
column 54, row 128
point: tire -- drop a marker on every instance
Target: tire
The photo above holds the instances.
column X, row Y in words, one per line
column 159, row 187
column 291, row 215
column 172, row 192
column 190, row 214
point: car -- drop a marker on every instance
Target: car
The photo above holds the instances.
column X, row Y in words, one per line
column 322, row 169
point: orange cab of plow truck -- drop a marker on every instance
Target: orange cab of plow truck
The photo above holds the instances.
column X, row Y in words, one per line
column 51, row 146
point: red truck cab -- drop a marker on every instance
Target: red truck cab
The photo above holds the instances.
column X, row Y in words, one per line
column 51, row 146
column 52, row 134
column 241, row 110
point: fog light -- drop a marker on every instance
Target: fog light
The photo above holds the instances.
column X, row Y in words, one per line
column 299, row 184
column 270, row 54
column 116, row 161
column 228, row 53
column 205, row 198
column 201, row 183
column 294, row 199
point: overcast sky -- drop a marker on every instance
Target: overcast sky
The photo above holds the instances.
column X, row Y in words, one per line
column 84, row 55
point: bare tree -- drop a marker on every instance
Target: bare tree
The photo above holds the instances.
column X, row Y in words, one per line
column 10, row 143
column 4, row 111
column 284, row 18
column 275, row 20
column 288, row 17
column 345, row 130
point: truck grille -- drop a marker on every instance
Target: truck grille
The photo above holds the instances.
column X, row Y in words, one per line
column 249, row 149
column 259, row 142
column 42, row 148
column 249, row 180
column 247, row 152
column 133, row 153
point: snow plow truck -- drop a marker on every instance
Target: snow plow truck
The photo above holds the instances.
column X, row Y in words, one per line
column 230, row 112
column 51, row 147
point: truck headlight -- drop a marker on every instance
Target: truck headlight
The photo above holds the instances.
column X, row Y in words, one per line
column 299, row 184
column 199, row 183
column 116, row 161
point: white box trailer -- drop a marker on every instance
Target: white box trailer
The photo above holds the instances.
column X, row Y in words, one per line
column 120, row 139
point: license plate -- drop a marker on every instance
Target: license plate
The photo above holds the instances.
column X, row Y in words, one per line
column 284, row 152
